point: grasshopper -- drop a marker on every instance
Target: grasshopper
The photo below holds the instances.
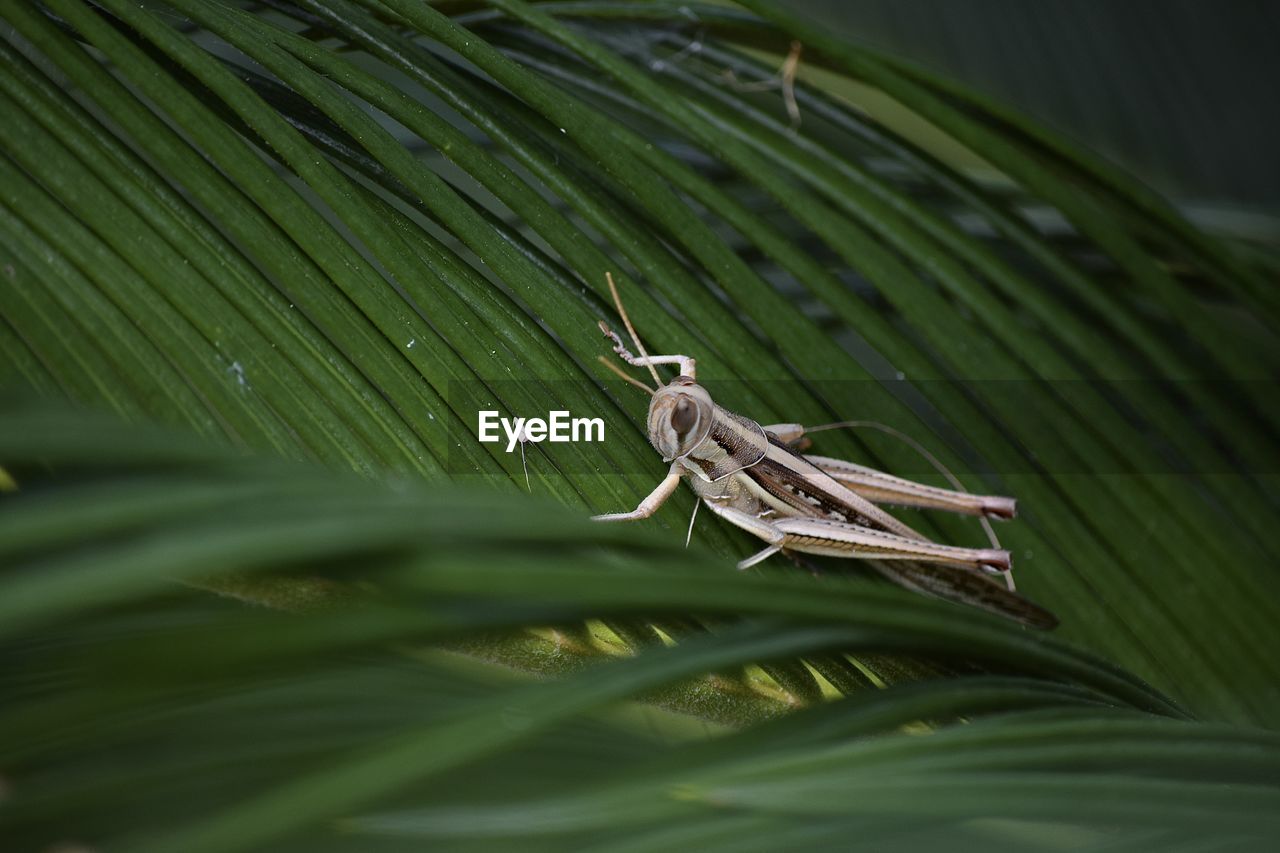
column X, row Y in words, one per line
column 756, row 478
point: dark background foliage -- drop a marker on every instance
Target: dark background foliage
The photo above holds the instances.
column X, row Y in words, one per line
column 1108, row 75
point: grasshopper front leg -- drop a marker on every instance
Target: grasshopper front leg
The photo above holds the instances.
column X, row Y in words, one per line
column 656, row 498
column 686, row 365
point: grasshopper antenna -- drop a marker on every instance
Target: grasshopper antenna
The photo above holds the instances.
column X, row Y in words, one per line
column 623, row 375
column 631, row 330
column 932, row 460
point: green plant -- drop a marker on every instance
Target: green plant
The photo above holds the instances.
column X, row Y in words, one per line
column 308, row 237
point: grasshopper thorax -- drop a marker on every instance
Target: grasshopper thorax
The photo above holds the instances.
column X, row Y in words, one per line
column 680, row 417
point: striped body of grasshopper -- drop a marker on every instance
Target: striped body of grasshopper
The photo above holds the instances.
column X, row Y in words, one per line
column 754, row 477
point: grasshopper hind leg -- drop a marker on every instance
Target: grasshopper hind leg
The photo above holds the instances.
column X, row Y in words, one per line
column 792, row 435
column 881, row 488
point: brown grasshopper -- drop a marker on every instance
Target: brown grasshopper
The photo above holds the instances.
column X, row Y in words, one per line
column 754, row 477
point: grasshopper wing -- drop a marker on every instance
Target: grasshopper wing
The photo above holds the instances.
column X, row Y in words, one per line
column 967, row 586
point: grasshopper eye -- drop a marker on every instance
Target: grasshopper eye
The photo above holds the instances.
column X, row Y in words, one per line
column 685, row 416
column 680, row 418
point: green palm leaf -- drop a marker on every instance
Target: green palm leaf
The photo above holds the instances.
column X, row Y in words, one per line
column 311, row 239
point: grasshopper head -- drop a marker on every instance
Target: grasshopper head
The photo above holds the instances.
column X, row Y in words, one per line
column 680, row 416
